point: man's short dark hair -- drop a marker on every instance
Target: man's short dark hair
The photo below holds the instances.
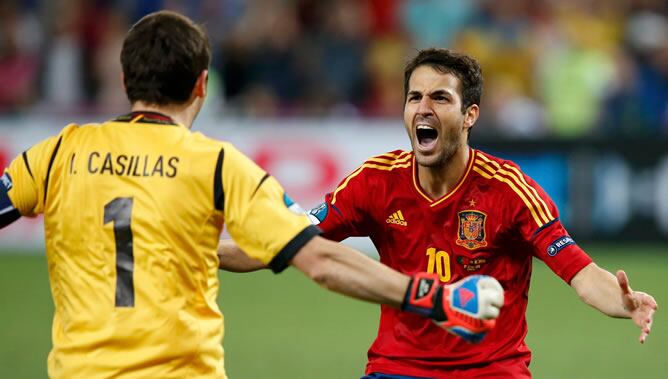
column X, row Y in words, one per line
column 162, row 56
column 465, row 68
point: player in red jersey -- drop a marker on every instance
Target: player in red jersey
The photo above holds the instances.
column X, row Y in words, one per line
column 455, row 211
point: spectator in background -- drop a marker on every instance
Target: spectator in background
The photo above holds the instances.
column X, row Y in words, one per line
column 19, row 42
column 647, row 36
column 106, row 65
column 310, row 58
column 62, row 82
column 573, row 77
column 435, row 22
column 497, row 35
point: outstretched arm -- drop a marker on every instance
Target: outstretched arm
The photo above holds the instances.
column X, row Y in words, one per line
column 342, row 269
column 614, row 297
column 232, row 258
column 331, row 265
column 339, row 268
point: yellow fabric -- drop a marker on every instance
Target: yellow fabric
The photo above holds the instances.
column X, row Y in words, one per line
column 164, row 175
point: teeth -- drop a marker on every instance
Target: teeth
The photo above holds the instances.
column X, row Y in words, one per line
column 425, row 127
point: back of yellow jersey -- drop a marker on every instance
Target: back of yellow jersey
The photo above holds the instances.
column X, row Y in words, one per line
column 133, row 212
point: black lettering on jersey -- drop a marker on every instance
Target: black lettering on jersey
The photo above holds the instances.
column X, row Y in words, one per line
column 138, row 166
column 121, row 161
column 130, row 165
column 107, row 165
column 90, row 162
column 157, row 168
column 72, row 171
column 134, row 171
column 145, row 172
column 172, row 164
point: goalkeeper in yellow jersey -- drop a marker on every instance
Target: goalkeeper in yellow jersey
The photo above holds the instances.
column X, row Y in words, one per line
column 133, row 209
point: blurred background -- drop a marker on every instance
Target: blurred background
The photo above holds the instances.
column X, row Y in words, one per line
column 576, row 92
column 552, row 68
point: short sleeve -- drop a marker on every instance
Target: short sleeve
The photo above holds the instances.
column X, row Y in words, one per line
column 260, row 216
column 344, row 212
column 537, row 220
column 29, row 173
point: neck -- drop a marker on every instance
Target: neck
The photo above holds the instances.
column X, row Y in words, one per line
column 437, row 181
column 182, row 114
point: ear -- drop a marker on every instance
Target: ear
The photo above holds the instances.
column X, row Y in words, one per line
column 201, row 84
column 471, row 116
column 123, row 82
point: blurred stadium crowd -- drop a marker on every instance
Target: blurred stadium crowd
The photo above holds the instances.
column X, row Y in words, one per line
column 553, row 67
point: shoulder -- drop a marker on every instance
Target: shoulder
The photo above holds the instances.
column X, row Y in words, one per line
column 376, row 173
column 513, row 185
column 389, row 165
column 72, row 129
column 491, row 167
column 484, row 157
column 504, row 175
column 390, row 161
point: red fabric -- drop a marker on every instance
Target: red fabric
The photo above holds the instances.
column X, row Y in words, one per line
column 483, row 227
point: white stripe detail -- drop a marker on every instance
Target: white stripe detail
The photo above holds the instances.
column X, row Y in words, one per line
column 6, row 210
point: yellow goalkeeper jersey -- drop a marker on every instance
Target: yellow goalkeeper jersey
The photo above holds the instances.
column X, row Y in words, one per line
column 133, row 210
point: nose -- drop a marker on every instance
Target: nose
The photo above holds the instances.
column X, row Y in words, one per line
column 425, row 107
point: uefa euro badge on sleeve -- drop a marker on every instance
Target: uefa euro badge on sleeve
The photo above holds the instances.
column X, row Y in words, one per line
column 318, row 214
column 292, row 206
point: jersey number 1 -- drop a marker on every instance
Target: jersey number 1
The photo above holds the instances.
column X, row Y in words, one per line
column 119, row 211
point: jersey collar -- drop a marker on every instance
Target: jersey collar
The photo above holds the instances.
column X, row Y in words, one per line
column 146, row 117
column 432, row 202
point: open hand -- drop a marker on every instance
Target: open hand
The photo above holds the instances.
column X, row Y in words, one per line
column 640, row 305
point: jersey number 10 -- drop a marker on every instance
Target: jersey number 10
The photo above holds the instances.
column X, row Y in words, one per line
column 439, row 263
column 119, row 211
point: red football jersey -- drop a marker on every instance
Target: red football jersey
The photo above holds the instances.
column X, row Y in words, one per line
column 493, row 222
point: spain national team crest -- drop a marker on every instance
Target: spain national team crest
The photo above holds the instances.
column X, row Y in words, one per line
column 471, row 229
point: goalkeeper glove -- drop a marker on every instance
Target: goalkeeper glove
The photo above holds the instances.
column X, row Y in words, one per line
column 467, row 308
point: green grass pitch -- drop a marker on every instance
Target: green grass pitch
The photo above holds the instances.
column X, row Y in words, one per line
column 284, row 326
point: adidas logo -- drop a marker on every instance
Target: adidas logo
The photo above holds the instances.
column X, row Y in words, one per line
column 397, row 218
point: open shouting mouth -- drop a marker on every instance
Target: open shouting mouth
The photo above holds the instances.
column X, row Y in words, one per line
column 426, row 137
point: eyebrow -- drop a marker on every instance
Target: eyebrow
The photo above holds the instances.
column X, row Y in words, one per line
column 441, row 92
column 437, row 92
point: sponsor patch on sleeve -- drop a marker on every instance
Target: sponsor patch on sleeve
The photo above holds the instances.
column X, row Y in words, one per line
column 318, row 214
column 559, row 244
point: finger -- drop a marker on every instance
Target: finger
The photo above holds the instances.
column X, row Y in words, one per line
column 650, row 319
column 623, row 281
column 492, row 285
column 494, row 297
column 492, row 313
column 490, row 302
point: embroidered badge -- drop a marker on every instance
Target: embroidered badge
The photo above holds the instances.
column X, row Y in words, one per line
column 471, row 229
column 471, row 264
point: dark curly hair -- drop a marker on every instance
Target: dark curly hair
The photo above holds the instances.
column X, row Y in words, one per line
column 446, row 61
